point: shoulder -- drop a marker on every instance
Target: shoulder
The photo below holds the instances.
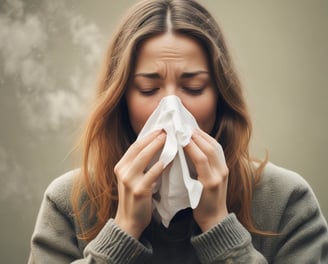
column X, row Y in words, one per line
column 62, row 184
column 59, row 190
column 280, row 185
column 282, row 194
column 280, row 180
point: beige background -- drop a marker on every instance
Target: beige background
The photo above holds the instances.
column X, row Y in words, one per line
column 49, row 54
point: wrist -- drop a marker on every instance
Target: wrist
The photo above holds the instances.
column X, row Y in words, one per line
column 130, row 228
column 208, row 223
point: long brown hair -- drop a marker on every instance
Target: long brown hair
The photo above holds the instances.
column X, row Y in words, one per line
column 108, row 133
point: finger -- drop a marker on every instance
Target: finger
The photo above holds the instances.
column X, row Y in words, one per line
column 198, row 158
column 153, row 174
column 144, row 157
column 204, row 135
column 211, row 175
column 139, row 145
column 211, row 148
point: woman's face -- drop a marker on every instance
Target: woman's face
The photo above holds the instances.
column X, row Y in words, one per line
column 171, row 64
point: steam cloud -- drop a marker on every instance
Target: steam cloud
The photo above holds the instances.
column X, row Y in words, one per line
column 28, row 39
column 47, row 90
column 12, row 181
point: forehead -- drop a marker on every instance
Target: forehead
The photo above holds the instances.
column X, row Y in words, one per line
column 171, row 48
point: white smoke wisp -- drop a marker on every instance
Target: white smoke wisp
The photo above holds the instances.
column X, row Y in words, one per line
column 12, row 182
column 27, row 51
column 88, row 36
column 20, row 35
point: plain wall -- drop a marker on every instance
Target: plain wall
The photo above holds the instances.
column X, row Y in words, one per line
column 49, row 55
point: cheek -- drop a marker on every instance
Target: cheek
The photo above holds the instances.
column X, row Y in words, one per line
column 204, row 113
column 139, row 112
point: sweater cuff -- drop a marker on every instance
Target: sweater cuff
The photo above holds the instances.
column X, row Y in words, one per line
column 113, row 244
column 218, row 242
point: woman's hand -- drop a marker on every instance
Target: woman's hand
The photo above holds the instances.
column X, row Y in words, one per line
column 135, row 185
column 208, row 157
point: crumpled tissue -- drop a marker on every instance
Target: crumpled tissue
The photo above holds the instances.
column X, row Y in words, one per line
column 177, row 188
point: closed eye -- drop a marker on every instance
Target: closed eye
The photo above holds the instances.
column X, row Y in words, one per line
column 148, row 92
column 193, row 90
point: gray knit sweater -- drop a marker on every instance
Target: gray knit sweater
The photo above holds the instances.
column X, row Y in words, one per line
column 283, row 202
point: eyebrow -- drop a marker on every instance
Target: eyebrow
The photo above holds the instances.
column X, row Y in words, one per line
column 151, row 75
column 184, row 75
column 187, row 75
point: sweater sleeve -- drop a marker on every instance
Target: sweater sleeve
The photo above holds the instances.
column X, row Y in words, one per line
column 54, row 238
column 227, row 242
column 113, row 245
column 284, row 204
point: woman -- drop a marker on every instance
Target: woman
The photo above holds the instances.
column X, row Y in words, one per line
column 249, row 212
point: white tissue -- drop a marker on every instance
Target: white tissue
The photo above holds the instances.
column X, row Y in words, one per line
column 177, row 188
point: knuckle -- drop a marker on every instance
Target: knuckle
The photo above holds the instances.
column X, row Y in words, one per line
column 117, row 169
column 122, row 176
column 138, row 192
column 213, row 184
column 120, row 172
column 125, row 181
column 225, row 172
